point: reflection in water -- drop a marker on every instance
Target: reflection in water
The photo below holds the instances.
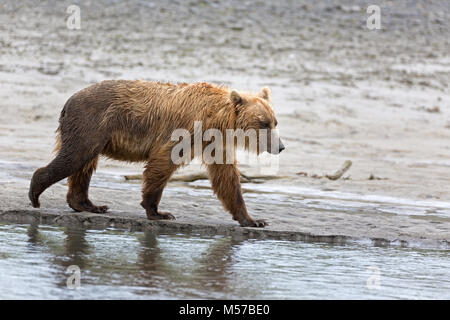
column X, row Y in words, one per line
column 74, row 250
column 117, row 264
column 150, row 254
column 154, row 269
column 216, row 264
column 208, row 271
column 75, row 247
column 33, row 233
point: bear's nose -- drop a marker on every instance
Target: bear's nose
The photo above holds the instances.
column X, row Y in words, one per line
column 281, row 147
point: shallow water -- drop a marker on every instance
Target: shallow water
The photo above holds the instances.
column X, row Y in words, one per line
column 145, row 265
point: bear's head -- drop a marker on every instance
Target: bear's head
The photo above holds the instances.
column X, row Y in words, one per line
column 255, row 112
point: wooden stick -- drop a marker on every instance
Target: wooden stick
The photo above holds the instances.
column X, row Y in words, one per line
column 347, row 164
column 204, row 176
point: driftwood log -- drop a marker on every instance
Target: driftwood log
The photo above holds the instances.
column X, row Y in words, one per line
column 203, row 176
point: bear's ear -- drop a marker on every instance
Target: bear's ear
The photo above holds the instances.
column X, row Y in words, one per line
column 265, row 93
column 236, row 98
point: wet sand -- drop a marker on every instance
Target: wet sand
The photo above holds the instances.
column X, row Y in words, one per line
column 342, row 92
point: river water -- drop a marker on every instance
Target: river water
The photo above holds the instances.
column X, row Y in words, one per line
column 119, row 264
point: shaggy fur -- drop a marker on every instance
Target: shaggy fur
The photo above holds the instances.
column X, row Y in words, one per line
column 133, row 121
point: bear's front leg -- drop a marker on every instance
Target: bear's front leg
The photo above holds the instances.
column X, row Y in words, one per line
column 155, row 177
column 150, row 202
column 226, row 184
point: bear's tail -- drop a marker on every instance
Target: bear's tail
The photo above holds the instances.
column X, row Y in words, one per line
column 58, row 131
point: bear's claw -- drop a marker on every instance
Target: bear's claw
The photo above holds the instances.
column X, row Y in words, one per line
column 99, row 209
column 254, row 223
column 161, row 216
column 34, row 199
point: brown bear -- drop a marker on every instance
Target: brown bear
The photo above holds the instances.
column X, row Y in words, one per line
column 133, row 121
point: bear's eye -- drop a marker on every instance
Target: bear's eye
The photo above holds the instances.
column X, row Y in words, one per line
column 265, row 125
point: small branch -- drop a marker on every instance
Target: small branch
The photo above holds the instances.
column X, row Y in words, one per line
column 133, row 177
column 190, row 177
column 339, row 173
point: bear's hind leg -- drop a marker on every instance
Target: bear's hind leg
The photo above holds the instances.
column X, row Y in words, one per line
column 77, row 196
column 65, row 164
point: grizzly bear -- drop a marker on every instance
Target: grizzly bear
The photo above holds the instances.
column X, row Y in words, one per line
column 133, row 121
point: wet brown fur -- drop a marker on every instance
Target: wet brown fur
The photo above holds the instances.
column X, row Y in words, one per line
column 133, row 121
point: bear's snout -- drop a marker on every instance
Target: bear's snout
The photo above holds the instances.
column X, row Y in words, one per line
column 273, row 150
column 281, row 147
